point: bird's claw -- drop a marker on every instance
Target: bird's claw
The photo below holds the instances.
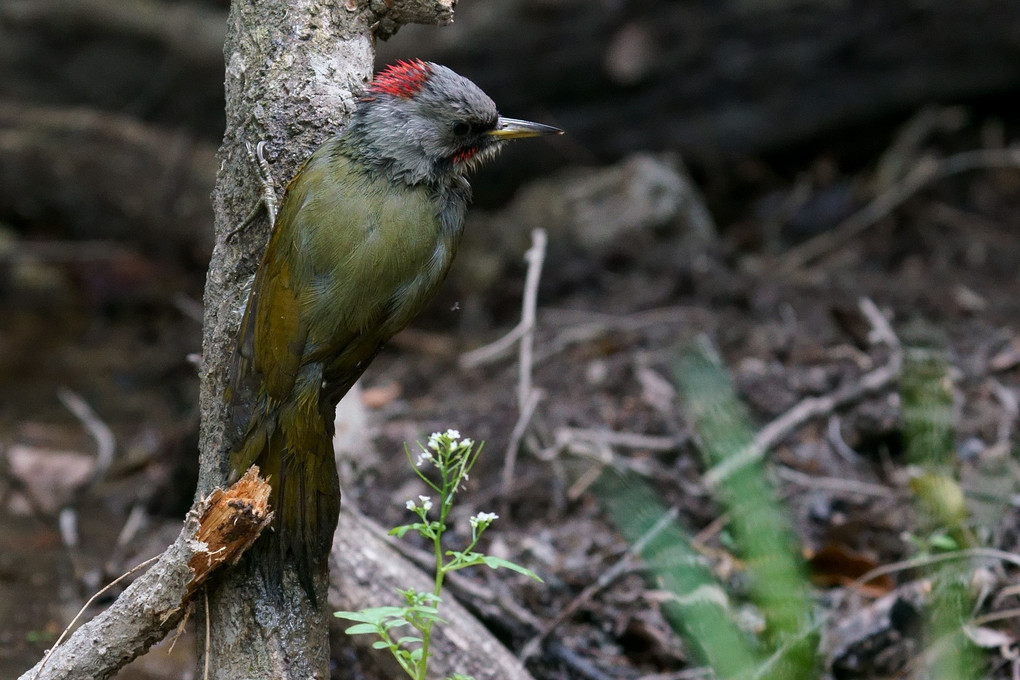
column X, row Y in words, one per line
column 266, row 176
column 269, row 201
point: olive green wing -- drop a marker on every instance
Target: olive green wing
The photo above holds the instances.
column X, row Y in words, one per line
column 271, row 341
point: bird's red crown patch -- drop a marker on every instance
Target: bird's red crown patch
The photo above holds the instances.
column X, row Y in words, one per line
column 403, row 79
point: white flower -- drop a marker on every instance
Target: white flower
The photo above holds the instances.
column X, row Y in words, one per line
column 483, row 519
column 434, row 440
column 453, row 434
column 424, row 457
column 410, row 505
column 426, row 503
column 467, row 444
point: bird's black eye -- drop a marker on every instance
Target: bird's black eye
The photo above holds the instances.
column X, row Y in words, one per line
column 461, row 128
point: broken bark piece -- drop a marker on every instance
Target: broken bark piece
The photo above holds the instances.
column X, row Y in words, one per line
column 232, row 520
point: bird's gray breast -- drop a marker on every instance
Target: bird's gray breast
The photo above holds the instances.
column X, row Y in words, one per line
column 450, row 204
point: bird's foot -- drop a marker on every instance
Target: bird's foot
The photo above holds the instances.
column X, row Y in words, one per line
column 266, row 175
column 269, row 200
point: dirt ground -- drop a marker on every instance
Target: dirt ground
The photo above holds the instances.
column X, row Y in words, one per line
column 624, row 286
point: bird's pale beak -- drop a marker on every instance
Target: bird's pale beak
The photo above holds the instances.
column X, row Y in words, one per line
column 511, row 128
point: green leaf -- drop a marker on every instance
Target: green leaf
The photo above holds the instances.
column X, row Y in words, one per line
column 497, row 562
column 400, row 531
column 409, row 640
column 944, row 542
column 362, row 629
column 350, row 616
column 465, row 557
column 380, row 644
column 374, row 615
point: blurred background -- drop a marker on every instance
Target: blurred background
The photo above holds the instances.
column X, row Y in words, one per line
column 705, row 140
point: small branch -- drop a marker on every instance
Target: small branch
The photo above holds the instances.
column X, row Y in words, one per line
column 604, row 581
column 535, row 258
column 597, row 445
column 399, row 12
column 816, row 407
column 514, row 446
column 216, row 530
column 907, row 146
column 626, row 440
column 834, row 435
column 101, row 433
column 929, row 560
column 494, row 350
column 834, row 484
column 84, row 607
column 206, row 655
column 1010, row 408
column 527, row 397
column 881, row 330
column 434, row 12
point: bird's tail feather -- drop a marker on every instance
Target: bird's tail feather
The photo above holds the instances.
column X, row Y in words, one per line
column 292, row 445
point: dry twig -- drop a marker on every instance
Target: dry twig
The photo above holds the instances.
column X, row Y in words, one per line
column 926, row 171
column 928, row 560
column 535, row 258
column 527, row 397
column 496, row 349
column 814, row 407
column 604, row 581
column 835, row 484
column 84, row 607
column 514, row 445
column 101, row 433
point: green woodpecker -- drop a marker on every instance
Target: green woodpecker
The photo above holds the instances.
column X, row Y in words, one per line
column 365, row 233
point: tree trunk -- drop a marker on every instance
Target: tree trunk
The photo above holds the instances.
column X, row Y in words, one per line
column 293, row 69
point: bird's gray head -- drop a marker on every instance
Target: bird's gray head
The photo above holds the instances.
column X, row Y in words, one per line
column 421, row 122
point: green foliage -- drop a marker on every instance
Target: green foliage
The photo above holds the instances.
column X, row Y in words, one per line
column 451, row 459
column 759, row 524
column 927, row 406
column 929, row 428
column 700, row 608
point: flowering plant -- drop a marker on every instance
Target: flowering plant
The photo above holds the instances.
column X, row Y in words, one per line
column 451, row 458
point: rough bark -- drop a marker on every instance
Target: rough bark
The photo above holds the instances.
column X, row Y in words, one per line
column 293, row 69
